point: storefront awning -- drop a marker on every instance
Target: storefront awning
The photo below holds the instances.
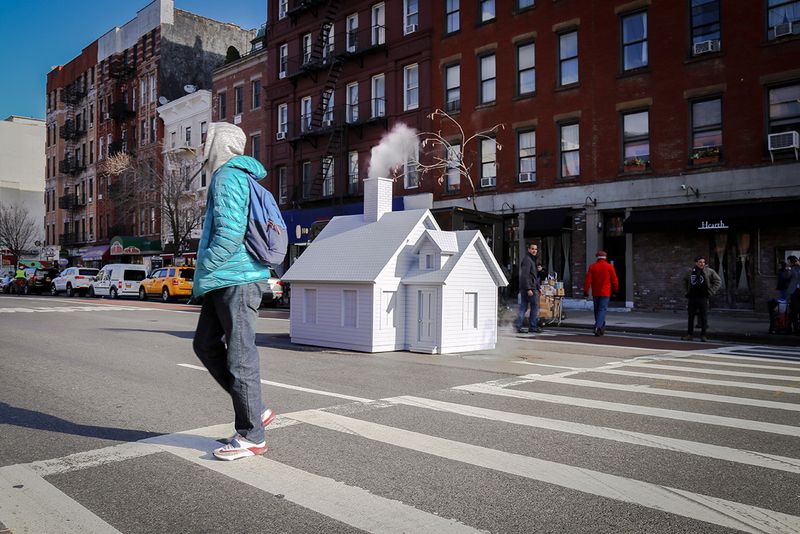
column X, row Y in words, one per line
column 300, row 221
column 546, row 222
column 95, row 253
column 120, row 245
column 709, row 218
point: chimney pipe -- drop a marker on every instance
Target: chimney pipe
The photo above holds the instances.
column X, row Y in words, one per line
column 377, row 198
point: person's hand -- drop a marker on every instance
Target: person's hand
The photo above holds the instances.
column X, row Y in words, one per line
column 530, row 292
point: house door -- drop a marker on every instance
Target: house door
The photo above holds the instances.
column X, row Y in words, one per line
column 426, row 316
column 614, row 243
column 732, row 258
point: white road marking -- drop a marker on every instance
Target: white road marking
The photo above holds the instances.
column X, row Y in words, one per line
column 31, row 504
column 770, row 461
column 289, row 386
column 720, row 372
column 69, row 309
column 696, row 380
column 790, row 356
column 672, row 500
column 553, row 366
column 93, row 458
column 737, row 364
column 731, row 422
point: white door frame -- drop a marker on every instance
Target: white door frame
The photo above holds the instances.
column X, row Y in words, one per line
column 426, row 321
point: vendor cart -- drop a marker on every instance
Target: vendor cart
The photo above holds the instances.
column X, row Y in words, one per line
column 552, row 291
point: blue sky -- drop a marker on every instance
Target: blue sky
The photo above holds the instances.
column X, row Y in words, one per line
column 39, row 34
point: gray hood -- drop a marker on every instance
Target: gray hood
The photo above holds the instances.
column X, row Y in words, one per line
column 224, row 141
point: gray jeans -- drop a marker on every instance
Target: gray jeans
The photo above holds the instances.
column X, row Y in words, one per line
column 225, row 341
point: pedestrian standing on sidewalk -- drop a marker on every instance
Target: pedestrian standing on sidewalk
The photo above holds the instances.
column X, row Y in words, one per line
column 784, row 278
column 231, row 283
column 602, row 279
column 529, row 290
column 701, row 283
column 793, row 292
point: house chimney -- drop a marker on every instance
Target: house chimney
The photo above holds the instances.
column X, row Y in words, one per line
column 377, row 198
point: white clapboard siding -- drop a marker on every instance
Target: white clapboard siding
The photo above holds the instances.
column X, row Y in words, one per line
column 384, row 336
column 328, row 330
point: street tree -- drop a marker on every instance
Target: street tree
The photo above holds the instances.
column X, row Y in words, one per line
column 18, row 230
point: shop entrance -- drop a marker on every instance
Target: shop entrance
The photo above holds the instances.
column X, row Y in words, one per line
column 614, row 243
column 731, row 255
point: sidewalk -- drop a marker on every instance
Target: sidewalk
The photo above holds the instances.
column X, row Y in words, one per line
column 732, row 326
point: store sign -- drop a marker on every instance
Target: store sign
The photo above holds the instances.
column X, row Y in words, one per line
column 705, row 225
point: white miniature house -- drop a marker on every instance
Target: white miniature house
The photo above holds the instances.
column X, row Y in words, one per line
column 388, row 281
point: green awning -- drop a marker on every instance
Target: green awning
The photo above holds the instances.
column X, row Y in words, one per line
column 123, row 244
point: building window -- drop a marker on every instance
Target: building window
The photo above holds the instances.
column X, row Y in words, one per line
column 91, row 115
column 783, row 18
column 307, row 177
column 305, row 114
column 411, row 171
column 526, row 69
column 328, row 43
column 142, row 131
column 152, row 129
column 255, row 146
column 453, row 171
column 410, row 16
column 255, row 90
column 411, row 87
column 470, row 311
column 283, row 186
column 203, row 131
column 91, row 151
column 152, row 220
column 706, row 131
column 636, row 141
column 327, row 176
column 784, row 108
column 488, row 12
column 378, row 24
column 310, row 306
column 378, row 96
column 238, row 99
column 222, row 98
column 306, row 48
column 352, row 173
column 352, row 102
column 570, row 148
column 327, row 109
column 488, row 162
column 568, row 58
column 452, row 15
column 349, row 308
column 283, row 62
column 526, row 156
column 524, row 4
column 172, row 137
column 634, row 41
column 283, row 120
column 452, row 88
column 351, row 27
column 488, row 79
column 706, row 32
column 283, row 7
column 187, row 140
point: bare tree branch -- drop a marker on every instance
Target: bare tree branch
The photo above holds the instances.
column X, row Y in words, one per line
column 18, row 230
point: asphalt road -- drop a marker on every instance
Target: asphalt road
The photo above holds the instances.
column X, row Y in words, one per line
column 107, row 420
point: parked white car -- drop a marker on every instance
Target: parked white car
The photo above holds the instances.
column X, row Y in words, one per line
column 73, row 280
column 275, row 292
column 118, row 280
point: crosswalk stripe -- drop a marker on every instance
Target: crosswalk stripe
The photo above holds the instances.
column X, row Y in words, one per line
column 696, row 380
column 731, row 422
column 672, row 500
column 737, row 364
column 31, row 504
column 775, row 355
column 647, row 390
column 351, row 505
column 720, row 372
column 770, row 461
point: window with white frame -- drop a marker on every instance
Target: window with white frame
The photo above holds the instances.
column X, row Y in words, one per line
column 570, row 149
column 379, row 95
column 203, row 131
column 283, row 185
column 526, row 69
column 328, row 164
column 283, row 119
column 306, row 48
column 705, row 26
column 470, row 310
column 152, row 88
column 411, row 171
column 452, row 88
column 310, row 306
column 305, row 114
column 352, row 172
column 452, row 13
column 283, row 60
column 142, row 91
column 453, row 171
column 784, row 108
column 411, row 87
column 306, row 178
column 283, row 8
column 410, row 16
column 351, row 26
column 352, row 102
column 488, row 75
column 327, row 113
column 152, row 220
column 526, row 156
column 636, row 140
column 634, row 41
column 328, row 43
column 568, row 58
column 488, row 11
column 783, row 18
column 488, row 154
column 349, row 308
column 379, row 24
column 188, row 136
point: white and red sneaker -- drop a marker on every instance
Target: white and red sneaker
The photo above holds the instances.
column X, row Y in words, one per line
column 239, row 447
column 267, row 416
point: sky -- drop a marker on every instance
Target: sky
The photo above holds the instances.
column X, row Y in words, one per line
column 39, row 34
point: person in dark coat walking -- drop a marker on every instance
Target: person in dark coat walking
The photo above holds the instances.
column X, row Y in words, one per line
column 602, row 279
column 529, row 290
column 701, row 283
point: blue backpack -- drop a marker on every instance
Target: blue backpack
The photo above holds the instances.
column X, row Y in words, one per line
column 266, row 238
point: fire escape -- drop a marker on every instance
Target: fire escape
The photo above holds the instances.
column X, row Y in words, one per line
column 74, row 162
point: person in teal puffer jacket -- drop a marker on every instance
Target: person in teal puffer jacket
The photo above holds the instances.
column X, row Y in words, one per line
column 231, row 283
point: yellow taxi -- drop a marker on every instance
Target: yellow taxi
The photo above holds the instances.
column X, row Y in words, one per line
column 168, row 282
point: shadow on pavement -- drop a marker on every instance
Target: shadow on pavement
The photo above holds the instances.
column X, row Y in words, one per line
column 262, row 340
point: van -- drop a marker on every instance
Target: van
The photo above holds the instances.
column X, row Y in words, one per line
column 118, row 280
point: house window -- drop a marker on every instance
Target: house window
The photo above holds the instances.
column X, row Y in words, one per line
column 283, row 62
column 305, row 114
column 255, row 90
column 452, row 13
column 307, row 177
column 188, row 136
column 783, row 18
column 570, row 148
column 351, row 26
column 283, row 186
column 452, row 88
column 203, row 131
column 411, row 85
column 352, row 173
column 238, row 99
column 524, row 4
column 568, row 58
column 453, row 168
column 410, row 170
column 306, row 48
column 784, row 108
column 488, row 12
column 634, row 41
column 526, row 156
column 327, row 176
column 388, row 305
column 255, row 146
column 488, row 79
column 470, row 311
column 172, row 137
column 428, row 262
column 223, row 104
column 327, row 109
column 310, row 306
column 349, row 308
column 283, row 119
column 706, row 31
column 283, row 8
column 636, row 141
column 488, row 155
column 526, row 69
column 378, row 96
column 706, row 131
column 410, row 16
column 352, row 102
column 378, row 24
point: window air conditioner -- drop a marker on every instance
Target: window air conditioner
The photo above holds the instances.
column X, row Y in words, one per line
column 705, row 47
column 280, row 136
column 783, row 141
column 410, row 28
column 100, row 196
column 487, row 182
column 327, row 122
column 782, row 29
column 282, row 75
column 237, row 119
column 106, row 116
column 527, row 177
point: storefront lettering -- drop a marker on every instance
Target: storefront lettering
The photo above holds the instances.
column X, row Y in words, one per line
column 705, row 225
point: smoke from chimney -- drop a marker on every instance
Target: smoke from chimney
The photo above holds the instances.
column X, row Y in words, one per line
column 395, row 149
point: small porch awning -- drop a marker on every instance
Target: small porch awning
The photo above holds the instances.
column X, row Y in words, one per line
column 546, row 222
column 714, row 217
column 95, row 253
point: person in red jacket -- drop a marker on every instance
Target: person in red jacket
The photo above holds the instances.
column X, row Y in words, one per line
column 602, row 279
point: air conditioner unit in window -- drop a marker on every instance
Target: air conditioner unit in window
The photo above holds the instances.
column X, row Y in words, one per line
column 327, row 122
column 100, row 196
column 280, row 136
column 410, row 28
column 487, row 182
column 282, row 74
column 527, row 177
column 782, row 29
column 705, row 47
column 783, row 141
column 106, row 116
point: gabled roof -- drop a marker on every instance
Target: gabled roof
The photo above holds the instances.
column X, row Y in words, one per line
column 443, row 240
column 348, row 250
